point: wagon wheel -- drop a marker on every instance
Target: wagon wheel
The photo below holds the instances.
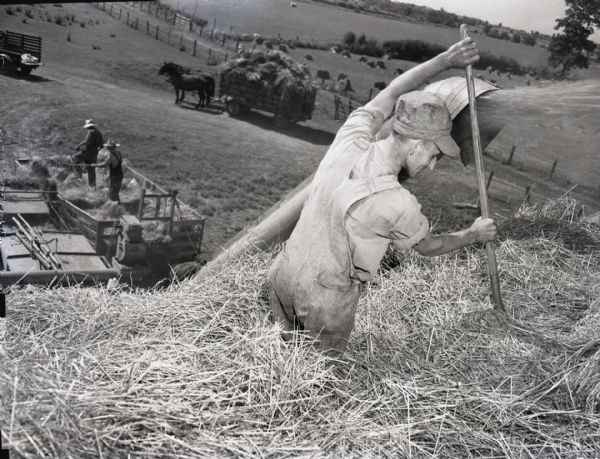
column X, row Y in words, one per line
column 280, row 120
column 234, row 108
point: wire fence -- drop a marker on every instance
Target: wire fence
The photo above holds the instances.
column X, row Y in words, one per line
column 205, row 41
column 175, row 29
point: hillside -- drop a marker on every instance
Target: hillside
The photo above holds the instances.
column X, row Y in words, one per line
column 198, row 369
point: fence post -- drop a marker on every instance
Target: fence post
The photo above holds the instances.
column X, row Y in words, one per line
column 157, row 31
column 147, row 27
column 209, row 54
column 169, row 38
column 195, row 43
column 136, row 23
column 119, row 14
column 227, row 55
column 127, row 17
column 181, row 42
column 237, row 45
column 336, row 102
column 554, row 164
column 223, row 41
column 510, row 155
column 111, row 6
column 349, row 106
column 212, row 34
column 201, row 30
column 527, row 198
column 370, row 93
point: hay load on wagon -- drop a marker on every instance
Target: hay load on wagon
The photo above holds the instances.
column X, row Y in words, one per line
column 271, row 82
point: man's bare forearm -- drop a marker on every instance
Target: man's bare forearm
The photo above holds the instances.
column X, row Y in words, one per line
column 409, row 81
column 441, row 244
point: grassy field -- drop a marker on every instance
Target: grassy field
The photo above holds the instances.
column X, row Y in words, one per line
column 327, row 24
column 229, row 169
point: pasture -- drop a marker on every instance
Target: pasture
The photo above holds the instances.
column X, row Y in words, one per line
column 321, row 23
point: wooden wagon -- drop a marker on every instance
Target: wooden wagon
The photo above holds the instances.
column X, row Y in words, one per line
column 287, row 104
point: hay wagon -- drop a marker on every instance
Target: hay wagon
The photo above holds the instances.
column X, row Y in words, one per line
column 49, row 237
column 287, row 104
column 19, row 52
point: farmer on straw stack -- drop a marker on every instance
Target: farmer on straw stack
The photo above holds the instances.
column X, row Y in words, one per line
column 89, row 150
column 356, row 206
column 112, row 158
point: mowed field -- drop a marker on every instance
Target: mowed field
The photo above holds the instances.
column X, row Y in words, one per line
column 229, row 169
column 321, row 23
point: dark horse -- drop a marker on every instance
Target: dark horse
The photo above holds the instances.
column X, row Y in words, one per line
column 182, row 80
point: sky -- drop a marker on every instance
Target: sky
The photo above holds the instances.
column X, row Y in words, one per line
column 528, row 15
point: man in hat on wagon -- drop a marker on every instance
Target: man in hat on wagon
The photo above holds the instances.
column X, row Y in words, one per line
column 112, row 159
column 89, row 148
column 356, row 206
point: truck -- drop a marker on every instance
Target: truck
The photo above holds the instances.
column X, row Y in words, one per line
column 19, row 52
column 287, row 104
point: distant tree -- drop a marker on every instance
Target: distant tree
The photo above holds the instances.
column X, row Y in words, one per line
column 349, row 38
column 528, row 40
column 516, row 37
column 571, row 48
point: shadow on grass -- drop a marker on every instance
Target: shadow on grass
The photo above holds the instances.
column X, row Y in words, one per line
column 299, row 131
column 208, row 109
column 19, row 76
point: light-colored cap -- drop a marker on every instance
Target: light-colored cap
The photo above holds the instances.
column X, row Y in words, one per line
column 424, row 116
column 89, row 124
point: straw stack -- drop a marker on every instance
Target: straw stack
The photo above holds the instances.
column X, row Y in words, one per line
column 198, row 369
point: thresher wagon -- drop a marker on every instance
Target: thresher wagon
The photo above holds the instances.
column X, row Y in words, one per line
column 46, row 237
column 19, row 52
column 287, row 104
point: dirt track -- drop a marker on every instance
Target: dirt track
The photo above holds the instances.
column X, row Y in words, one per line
column 229, row 169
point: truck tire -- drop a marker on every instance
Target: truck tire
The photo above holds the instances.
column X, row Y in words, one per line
column 280, row 120
column 234, row 108
column 25, row 70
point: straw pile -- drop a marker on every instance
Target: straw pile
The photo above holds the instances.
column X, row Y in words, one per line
column 268, row 74
column 198, row 369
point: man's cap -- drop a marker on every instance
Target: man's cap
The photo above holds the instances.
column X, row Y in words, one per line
column 89, row 124
column 111, row 144
column 424, row 116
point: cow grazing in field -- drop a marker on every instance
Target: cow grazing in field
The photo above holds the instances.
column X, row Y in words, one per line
column 398, row 71
column 371, row 64
column 363, row 59
column 346, row 54
column 323, row 75
column 308, row 57
column 380, row 85
column 380, row 65
column 342, row 76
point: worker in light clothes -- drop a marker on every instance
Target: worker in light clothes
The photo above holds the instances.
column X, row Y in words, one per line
column 111, row 158
column 356, row 206
column 89, row 149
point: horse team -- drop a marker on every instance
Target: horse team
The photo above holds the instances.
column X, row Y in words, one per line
column 182, row 80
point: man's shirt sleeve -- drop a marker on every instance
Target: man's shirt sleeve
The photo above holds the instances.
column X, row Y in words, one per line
column 362, row 123
column 410, row 226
